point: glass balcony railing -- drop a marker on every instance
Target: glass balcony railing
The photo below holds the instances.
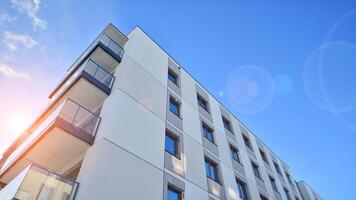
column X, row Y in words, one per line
column 99, row 73
column 70, row 112
column 112, row 45
column 36, row 183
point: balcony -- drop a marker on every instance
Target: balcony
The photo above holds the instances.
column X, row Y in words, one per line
column 35, row 183
column 58, row 144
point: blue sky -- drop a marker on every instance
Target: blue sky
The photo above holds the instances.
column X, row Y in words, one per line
column 285, row 68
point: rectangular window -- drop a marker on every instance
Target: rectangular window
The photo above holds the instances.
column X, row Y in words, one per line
column 247, row 142
column 174, row 106
column 241, row 189
column 173, row 77
column 277, row 168
column 202, row 103
column 208, row 133
column 174, row 194
column 234, row 153
column 288, row 178
column 227, row 124
column 273, row 183
column 256, row 170
column 171, row 144
column 287, row 194
column 211, row 170
column 264, row 156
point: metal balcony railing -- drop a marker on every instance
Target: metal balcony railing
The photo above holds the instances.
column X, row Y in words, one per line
column 99, row 73
column 112, row 45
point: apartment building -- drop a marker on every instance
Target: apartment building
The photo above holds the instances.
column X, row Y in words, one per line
column 307, row 192
column 128, row 122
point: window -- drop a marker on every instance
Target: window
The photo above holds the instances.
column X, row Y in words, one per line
column 208, row 133
column 174, row 194
column 288, row 177
column 287, row 194
column 211, row 170
column 264, row 156
column 256, row 170
column 277, row 168
column 234, row 153
column 227, row 124
column 247, row 141
column 241, row 189
column 173, row 77
column 174, row 106
column 202, row 103
column 263, row 197
column 171, row 144
column 273, row 183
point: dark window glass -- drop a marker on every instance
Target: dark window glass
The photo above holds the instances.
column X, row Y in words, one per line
column 173, row 77
column 202, row 103
column 227, row 124
column 256, row 170
column 234, row 153
column 173, row 194
column 247, row 141
column 171, row 144
column 277, row 168
column 208, row 133
column 289, row 179
column 273, row 183
column 174, row 107
column 263, row 197
column 241, row 190
column 211, row 170
column 264, row 156
column 287, row 194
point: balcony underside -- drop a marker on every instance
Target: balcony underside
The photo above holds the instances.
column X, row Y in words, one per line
column 60, row 149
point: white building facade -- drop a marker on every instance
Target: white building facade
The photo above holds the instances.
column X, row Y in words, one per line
column 128, row 122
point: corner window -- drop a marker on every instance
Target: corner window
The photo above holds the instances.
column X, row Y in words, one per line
column 174, row 106
column 227, row 124
column 174, row 194
column 247, row 142
column 264, row 157
column 256, row 171
column 173, row 77
column 171, row 144
column 203, row 103
column 273, row 183
column 234, row 153
column 208, row 133
column 241, row 189
column 211, row 170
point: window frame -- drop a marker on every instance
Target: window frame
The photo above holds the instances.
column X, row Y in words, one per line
column 206, row 129
column 247, row 142
column 277, row 167
column 234, row 151
column 241, row 187
column 176, row 145
column 288, row 177
column 256, row 170
column 174, row 75
column 175, row 190
column 227, row 124
column 202, row 101
column 176, row 103
column 264, row 156
column 212, row 166
column 287, row 194
column 273, row 184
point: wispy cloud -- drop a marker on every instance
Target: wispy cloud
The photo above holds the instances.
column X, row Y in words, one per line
column 8, row 71
column 12, row 40
column 30, row 8
column 7, row 18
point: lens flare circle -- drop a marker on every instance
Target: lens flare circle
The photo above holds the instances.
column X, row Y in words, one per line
column 249, row 89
